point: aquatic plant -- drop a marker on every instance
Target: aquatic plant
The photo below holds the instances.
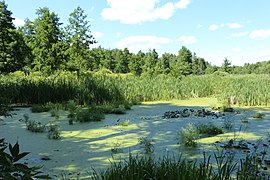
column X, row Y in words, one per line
column 53, row 131
column 188, row 135
column 147, row 145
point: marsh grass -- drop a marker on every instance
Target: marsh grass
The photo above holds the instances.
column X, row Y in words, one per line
column 146, row 144
column 220, row 167
column 116, row 147
column 228, row 124
column 250, row 90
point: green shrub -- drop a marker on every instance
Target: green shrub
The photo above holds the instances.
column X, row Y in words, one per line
column 89, row 114
column 35, row 126
column 119, row 110
column 11, row 168
column 125, row 122
column 188, row 135
column 38, row 108
column 258, row 115
column 208, row 129
column 55, row 113
column 53, row 131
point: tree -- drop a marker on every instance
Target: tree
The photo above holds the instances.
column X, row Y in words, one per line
column 226, row 66
column 46, row 34
column 163, row 64
column 14, row 52
column 79, row 37
column 198, row 65
column 136, row 63
column 150, row 61
column 122, row 59
column 182, row 64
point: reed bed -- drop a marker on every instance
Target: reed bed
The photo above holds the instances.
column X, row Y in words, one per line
column 98, row 88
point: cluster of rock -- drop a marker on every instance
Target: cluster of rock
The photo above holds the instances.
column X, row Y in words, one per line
column 191, row 112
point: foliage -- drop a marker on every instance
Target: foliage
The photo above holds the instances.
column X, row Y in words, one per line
column 188, row 135
column 125, row 122
column 258, row 115
column 147, row 144
column 10, row 168
column 179, row 168
column 116, row 148
column 89, row 114
column 53, row 131
column 208, row 129
column 38, row 108
column 35, row 126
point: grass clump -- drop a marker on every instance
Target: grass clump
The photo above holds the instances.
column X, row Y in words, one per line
column 221, row 167
column 124, row 122
column 89, row 114
column 116, row 148
column 53, row 131
column 147, row 145
column 55, row 113
column 188, row 135
column 208, row 129
column 258, row 115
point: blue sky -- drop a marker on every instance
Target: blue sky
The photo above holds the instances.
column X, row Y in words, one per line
column 214, row 29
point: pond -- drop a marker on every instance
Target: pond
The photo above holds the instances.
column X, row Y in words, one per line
column 84, row 146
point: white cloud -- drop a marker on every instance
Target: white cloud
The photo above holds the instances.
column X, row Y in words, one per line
column 139, row 11
column 187, row 39
column 182, row 4
column 118, row 34
column 260, row 34
column 136, row 43
column 239, row 34
column 18, row 22
column 234, row 25
column 97, row 34
column 213, row 27
column 236, row 49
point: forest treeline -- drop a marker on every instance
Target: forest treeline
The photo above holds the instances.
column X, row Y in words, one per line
column 43, row 44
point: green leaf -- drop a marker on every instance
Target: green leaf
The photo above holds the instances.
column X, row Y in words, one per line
column 20, row 156
column 14, row 150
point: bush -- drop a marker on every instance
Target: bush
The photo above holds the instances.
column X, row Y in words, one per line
column 38, row 108
column 89, row 114
column 258, row 115
column 35, row 126
column 189, row 135
column 208, row 129
column 53, row 131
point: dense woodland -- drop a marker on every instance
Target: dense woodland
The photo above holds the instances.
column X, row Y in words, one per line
column 45, row 45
